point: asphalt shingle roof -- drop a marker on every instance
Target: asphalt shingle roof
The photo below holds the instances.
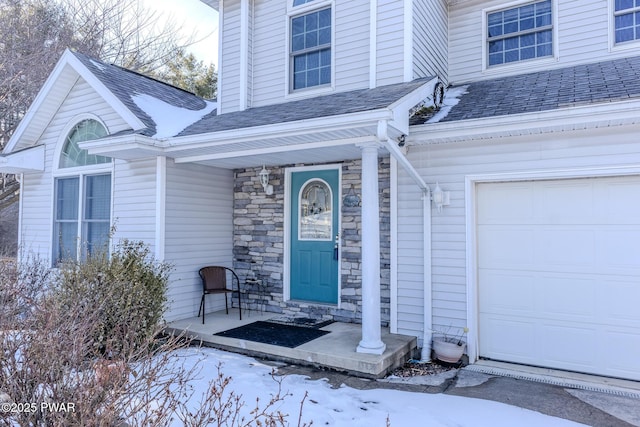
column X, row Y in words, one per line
column 606, row 81
column 124, row 84
column 335, row 104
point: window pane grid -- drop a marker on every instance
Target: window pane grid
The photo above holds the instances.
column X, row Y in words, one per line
column 627, row 20
column 311, row 49
column 73, row 155
column 94, row 207
column 520, row 33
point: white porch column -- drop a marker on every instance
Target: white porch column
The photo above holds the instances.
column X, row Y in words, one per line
column 371, row 331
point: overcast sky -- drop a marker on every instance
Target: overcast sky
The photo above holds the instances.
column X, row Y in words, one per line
column 196, row 17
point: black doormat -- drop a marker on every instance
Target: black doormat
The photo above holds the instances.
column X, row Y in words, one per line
column 274, row 333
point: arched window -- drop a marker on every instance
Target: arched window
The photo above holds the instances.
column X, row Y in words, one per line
column 82, row 204
column 315, row 211
column 72, row 154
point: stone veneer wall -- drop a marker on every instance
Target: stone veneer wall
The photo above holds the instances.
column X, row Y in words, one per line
column 259, row 245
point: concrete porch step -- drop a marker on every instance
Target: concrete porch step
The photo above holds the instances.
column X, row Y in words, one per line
column 336, row 350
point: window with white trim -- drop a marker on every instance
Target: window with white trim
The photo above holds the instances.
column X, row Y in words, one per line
column 520, row 33
column 310, row 52
column 82, row 197
column 626, row 16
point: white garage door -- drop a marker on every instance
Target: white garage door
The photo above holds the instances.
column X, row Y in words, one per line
column 559, row 274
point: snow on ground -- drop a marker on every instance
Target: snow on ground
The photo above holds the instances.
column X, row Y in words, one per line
column 169, row 119
column 346, row 406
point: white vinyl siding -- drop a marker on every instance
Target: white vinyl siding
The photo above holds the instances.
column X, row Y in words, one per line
column 448, row 165
column 134, row 201
column 37, row 190
column 199, row 232
column 351, row 45
column 230, row 57
column 269, row 64
column 390, row 40
column 581, row 34
column 430, row 44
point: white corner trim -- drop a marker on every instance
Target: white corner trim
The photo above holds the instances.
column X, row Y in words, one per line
column 220, row 49
column 244, row 53
column 393, row 261
column 373, row 43
column 161, row 206
column 408, row 41
column 472, row 268
column 20, row 214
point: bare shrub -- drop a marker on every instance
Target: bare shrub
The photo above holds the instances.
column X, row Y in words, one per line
column 67, row 359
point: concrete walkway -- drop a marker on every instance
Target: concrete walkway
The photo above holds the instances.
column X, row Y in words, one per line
column 589, row 407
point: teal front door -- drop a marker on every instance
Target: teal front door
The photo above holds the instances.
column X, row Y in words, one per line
column 314, row 236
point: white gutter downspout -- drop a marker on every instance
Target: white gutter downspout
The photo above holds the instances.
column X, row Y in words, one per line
column 397, row 154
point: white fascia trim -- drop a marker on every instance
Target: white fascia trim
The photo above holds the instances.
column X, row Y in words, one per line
column 38, row 101
column 272, row 150
column 105, row 146
column 24, row 161
column 587, row 116
column 279, row 130
column 69, row 59
column 401, row 107
column 131, row 119
column 212, row 3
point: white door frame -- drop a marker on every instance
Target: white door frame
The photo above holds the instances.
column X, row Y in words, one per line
column 471, row 182
column 286, row 273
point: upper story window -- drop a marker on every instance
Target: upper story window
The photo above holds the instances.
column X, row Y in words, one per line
column 627, row 20
column 520, row 33
column 311, row 48
column 72, row 154
column 301, row 2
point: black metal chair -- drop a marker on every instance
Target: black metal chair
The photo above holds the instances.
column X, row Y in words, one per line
column 214, row 281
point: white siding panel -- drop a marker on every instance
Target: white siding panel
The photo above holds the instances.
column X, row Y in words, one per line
column 582, row 36
column 134, row 201
column 37, row 189
column 449, row 164
column 430, row 38
column 352, row 45
column 270, row 59
column 390, row 56
column 199, row 232
column 230, row 66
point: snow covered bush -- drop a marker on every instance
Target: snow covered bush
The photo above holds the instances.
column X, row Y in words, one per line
column 83, row 345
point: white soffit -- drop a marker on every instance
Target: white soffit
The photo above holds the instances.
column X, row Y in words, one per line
column 23, row 161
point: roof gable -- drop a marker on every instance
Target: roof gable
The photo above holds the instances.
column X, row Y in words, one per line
column 117, row 86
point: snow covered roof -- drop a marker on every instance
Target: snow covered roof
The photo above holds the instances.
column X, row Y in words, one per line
column 165, row 110
column 586, row 84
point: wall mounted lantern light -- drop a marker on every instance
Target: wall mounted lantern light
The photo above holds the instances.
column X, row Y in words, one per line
column 264, row 180
column 440, row 198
